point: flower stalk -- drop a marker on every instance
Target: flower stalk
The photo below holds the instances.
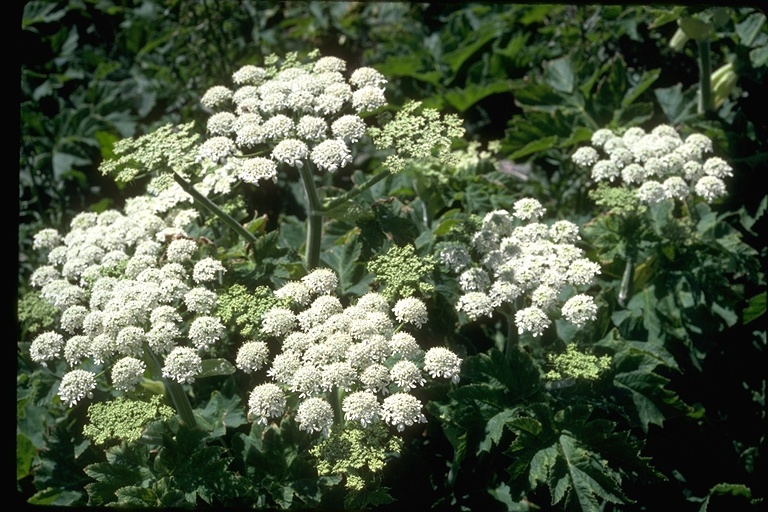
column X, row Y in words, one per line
column 211, row 207
column 314, row 218
column 175, row 391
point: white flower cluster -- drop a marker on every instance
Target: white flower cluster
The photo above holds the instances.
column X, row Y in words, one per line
column 362, row 351
column 123, row 281
column 515, row 261
column 660, row 164
column 297, row 112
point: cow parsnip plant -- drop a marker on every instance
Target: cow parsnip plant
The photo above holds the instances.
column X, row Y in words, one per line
column 409, row 317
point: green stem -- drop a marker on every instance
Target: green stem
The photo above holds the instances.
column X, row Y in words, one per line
column 626, row 281
column 357, row 190
column 314, row 218
column 176, row 392
column 705, row 76
column 336, row 404
column 513, row 338
column 211, row 207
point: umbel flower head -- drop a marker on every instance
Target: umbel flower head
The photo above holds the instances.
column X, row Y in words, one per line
column 362, row 351
column 657, row 165
column 516, row 262
column 125, row 282
column 289, row 113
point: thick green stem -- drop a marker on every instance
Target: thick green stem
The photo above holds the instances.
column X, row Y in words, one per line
column 705, row 76
column 314, row 219
column 338, row 414
column 176, row 392
column 512, row 340
column 626, row 281
column 211, row 207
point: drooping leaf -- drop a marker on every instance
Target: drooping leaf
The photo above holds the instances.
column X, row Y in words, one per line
column 216, row 367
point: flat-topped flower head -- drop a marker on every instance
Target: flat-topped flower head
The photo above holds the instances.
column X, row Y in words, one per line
column 528, row 209
column 321, row 281
column 406, row 375
column 252, row 356
column 255, row 169
column 475, row 305
column 216, row 97
column 292, row 152
column 183, row 364
column 580, row 309
column 127, row 373
column 249, row 75
column 365, row 76
column 532, row 319
column 266, row 401
column 331, row 155
column 315, row 415
column 658, row 165
column 76, row 385
column 362, row 407
column 46, row 346
column 439, row 362
column 411, row 310
column 402, row 410
column 278, row 321
column 207, row 270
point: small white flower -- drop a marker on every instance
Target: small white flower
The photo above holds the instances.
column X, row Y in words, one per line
column 253, row 170
column 474, row 279
column 368, row 98
column 221, row 123
column 205, row 331
column 180, row 250
column 291, row 151
column 455, row 256
column 676, row 187
column 47, row 238
column 406, row 375
column 312, row 128
column 475, row 305
column 349, row 128
column 528, row 209
column 717, row 167
column 329, row 63
column 127, row 373
column 440, row 362
column 46, row 346
column 266, row 401
column 315, row 415
column 251, row 356
column 183, row 364
column 651, row 192
column 321, row 281
column 580, row 309
column 531, row 319
column 365, row 76
column 411, row 310
column 402, row 410
column 249, row 75
column 207, row 270
column 331, row 155
column 710, row 188
column 217, row 149
column 362, row 407
column 75, row 386
column 217, row 96
column 278, row 321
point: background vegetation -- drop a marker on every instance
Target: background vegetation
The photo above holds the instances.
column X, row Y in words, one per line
column 688, row 351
